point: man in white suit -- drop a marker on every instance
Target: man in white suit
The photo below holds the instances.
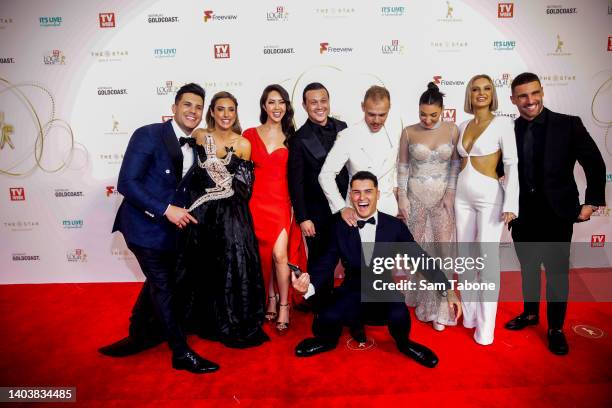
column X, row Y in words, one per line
column 366, row 146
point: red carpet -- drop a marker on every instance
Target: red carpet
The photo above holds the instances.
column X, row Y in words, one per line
column 50, row 334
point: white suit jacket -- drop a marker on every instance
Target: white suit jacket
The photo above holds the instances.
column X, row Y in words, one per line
column 359, row 149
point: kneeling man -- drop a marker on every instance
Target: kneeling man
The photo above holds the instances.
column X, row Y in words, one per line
column 346, row 307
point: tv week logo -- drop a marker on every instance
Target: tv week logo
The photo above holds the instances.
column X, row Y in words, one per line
column 505, row 10
column 598, row 240
column 610, row 43
column 449, row 115
column 17, row 193
column 222, row 50
column 107, row 20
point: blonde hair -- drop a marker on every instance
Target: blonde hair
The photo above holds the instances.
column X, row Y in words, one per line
column 467, row 106
column 377, row 93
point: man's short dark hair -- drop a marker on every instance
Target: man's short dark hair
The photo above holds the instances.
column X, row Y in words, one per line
column 524, row 78
column 189, row 88
column 313, row 86
column 364, row 175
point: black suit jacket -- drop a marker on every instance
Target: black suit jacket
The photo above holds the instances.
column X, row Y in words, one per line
column 149, row 178
column 567, row 141
column 346, row 247
column 306, row 157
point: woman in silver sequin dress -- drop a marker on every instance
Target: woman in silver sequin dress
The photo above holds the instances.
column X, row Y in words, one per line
column 427, row 176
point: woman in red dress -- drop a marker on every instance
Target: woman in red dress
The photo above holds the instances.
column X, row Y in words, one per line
column 278, row 235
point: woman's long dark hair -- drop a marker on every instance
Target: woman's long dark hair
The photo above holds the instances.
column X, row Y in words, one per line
column 287, row 120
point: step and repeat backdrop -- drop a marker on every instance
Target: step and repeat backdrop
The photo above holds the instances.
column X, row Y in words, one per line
column 77, row 78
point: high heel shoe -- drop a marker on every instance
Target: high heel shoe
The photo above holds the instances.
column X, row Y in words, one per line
column 282, row 327
column 271, row 316
column 438, row 326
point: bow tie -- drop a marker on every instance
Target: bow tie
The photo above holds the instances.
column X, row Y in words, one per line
column 361, row 223
column 188, row 140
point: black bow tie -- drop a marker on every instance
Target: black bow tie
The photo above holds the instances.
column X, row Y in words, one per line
column 361, row 223
column 189, row 140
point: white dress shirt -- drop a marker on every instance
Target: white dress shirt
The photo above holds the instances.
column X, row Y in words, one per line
column 186, row 149
column 360, row 149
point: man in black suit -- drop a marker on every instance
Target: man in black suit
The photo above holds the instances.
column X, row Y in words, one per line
column 156, row 159
column 548, row 145
column 346, row 307
column 308, row 149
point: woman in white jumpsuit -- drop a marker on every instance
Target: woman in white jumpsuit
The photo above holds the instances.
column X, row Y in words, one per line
column 482, row 204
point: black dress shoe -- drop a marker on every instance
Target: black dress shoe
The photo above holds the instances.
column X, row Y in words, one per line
column 193, row 363
column 311, row 346
column 128, row 346
column 521, row 321
column 358, row 334
column 419, row 353
column 557, row 343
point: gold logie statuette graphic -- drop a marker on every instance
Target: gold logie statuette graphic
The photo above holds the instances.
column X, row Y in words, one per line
column 449, row 10
column 559, row 44
column 7, row 130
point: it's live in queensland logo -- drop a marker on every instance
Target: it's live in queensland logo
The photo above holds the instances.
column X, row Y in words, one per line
column 392, row 11
column 55, row 57
column 280, row 14
column 50, row 21
column 325, row 48
column 164, row 52
column 504, row 45
column 210, row 16
column 72, row 224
